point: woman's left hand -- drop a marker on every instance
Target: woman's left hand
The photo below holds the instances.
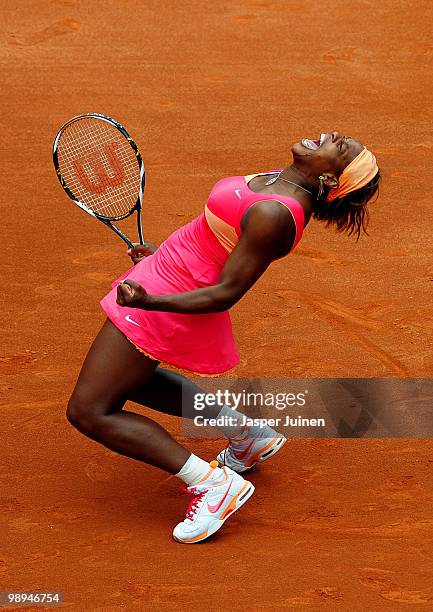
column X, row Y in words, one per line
column 131, row 294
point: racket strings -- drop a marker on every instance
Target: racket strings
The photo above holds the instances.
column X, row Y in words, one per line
column 99, row 167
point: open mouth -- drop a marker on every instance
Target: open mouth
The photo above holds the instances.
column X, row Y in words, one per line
column 313, row 144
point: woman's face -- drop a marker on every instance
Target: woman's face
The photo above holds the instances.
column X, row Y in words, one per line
column 331, row 153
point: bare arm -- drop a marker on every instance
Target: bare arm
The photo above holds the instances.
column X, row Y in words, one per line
column 268, row 233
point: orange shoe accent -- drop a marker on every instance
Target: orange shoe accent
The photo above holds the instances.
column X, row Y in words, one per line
column 216, row 507
column 213, row 464
column 202, row 536
column 232, row 505
column 206, row 476
column 240, row 455
column 256, row 457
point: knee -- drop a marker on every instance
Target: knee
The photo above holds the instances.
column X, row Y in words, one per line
column 82, row 415
column 76, row 413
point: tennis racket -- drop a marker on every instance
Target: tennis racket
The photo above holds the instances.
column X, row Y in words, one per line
column 100, row 168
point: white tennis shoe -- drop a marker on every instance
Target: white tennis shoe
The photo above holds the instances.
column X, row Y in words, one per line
column 213, row 501
column 241, row 456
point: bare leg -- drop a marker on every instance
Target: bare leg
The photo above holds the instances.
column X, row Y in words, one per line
column 112, row 372
column 171, row 393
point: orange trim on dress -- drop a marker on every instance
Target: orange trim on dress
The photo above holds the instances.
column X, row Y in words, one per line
column 223, row 232
column 173, row 366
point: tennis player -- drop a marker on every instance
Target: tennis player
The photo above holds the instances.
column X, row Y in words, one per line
column 172, row 307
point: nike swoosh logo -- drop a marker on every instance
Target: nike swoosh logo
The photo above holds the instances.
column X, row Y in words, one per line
column 238, row 193
column 128, row 318
column 242, row 454
column 216, row 507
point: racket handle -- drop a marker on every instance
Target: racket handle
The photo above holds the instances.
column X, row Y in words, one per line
column 118, row 232
column 139, row 228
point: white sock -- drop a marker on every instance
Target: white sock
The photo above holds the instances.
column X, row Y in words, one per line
column 238, row 432
column 195, row 470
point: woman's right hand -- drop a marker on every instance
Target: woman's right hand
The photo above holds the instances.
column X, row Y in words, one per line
column 141, row 250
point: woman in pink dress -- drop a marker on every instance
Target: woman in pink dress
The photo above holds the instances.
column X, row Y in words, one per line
column 172, row 307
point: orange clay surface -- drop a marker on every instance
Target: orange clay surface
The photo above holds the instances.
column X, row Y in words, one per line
column 211, row 89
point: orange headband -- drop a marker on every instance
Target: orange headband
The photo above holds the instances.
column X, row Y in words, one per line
column 358, row 173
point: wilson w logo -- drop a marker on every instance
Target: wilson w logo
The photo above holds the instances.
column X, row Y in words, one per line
column 91, row 167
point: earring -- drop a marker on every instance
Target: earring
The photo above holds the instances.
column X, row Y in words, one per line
column 321, row 190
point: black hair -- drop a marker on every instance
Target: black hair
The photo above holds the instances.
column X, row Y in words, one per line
column 348, row 214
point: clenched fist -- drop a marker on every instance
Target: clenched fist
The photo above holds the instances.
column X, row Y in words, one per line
column 131, row 294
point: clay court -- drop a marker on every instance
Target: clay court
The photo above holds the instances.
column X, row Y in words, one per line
column 213, row 89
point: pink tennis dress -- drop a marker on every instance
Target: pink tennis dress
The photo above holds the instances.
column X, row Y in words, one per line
column 190, row 258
